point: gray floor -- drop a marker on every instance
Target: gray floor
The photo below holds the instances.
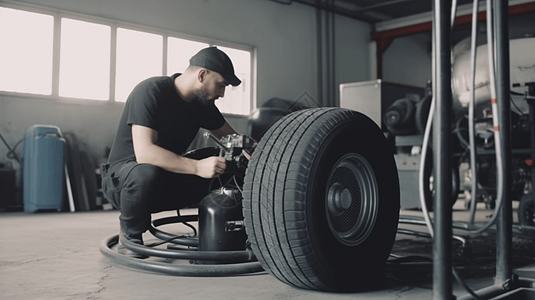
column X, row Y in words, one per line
column 56, row 256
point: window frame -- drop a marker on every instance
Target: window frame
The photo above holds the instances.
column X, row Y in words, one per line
column 114, row 26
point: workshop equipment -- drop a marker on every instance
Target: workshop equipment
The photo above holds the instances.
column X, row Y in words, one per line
column 42, row 167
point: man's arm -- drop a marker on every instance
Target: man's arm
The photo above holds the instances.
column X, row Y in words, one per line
column 226, row 129
column 148, row 152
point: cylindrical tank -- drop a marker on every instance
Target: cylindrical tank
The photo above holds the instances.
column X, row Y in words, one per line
column 522, row 71
column 221, row 225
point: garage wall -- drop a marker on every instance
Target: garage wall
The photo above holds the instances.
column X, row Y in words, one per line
column 352, row 45
column 284, row 37
column 408, row 60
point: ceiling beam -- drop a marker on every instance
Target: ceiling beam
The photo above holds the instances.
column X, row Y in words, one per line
column 382, row 4
column 341, row 8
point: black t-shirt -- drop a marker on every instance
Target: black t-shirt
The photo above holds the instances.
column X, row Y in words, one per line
column 155, row 103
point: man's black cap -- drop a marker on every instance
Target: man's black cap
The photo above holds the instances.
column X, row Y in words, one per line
column 216, row 60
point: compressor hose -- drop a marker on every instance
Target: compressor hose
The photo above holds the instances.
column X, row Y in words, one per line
column 175, row 269
column 229, row 262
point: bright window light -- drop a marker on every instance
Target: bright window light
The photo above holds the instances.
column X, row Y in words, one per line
column 26, row 41
column 85, row 60
column 139, row 56
column 179, row 51
column 237, row 100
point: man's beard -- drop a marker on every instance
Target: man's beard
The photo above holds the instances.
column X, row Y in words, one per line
column 201, row 96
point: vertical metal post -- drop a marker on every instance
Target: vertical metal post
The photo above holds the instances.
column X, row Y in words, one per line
column 531, row 103
column 442, row 253
column 319, row 48
column 504, row 221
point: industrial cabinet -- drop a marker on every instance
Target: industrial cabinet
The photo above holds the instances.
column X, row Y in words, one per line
column 373, row 98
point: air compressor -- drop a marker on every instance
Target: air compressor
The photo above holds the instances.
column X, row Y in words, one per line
column 221, row 225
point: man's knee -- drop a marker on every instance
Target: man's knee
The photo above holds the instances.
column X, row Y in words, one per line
column 142, row 178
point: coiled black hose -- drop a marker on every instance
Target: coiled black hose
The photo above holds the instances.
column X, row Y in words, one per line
column 171, row 238
column 232, row 262
column 175, row 269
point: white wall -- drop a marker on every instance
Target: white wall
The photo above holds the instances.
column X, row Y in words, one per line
column 284, row 36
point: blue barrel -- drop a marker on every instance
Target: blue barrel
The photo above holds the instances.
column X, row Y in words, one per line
column 43, row 168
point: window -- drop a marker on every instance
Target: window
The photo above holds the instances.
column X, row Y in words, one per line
column 26, row 51
column 237, row 98
column 179, row 51
column 57, row 55
column 85, row 60
column 139, row 56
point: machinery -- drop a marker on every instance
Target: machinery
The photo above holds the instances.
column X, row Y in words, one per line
column 507, row 285
column 221, row 226
column 221, row 238
column 315, row 210
column 496, row 141
column 407, row 123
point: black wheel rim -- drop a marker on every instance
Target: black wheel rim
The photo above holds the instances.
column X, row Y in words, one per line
column 351, row 199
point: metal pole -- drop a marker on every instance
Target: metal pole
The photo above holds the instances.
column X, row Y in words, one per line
column 333, row 101
column 319, row 48
column 531, row 102
column 504, row 223
column 442, row 253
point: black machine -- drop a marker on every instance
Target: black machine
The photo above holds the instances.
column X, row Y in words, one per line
column 221, row 226
column 221, row 239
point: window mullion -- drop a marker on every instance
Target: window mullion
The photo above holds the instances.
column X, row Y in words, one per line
column 252, row 83
column 164, row 55
column 56, row 46
column 113, row 62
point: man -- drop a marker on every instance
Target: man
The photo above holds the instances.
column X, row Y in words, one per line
column 146, row 172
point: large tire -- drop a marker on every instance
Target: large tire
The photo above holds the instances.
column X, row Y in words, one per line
column 321, row 200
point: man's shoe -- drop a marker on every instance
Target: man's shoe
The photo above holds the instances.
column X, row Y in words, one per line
column 137, row 239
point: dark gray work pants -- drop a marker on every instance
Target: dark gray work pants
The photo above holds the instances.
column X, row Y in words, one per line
column 138, row 190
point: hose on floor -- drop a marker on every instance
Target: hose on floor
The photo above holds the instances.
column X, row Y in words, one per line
column 218, row 263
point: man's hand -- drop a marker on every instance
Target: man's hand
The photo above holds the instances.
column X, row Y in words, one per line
column 211, row 167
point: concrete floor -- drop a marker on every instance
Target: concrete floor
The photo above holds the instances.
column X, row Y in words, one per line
column 56, row 256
